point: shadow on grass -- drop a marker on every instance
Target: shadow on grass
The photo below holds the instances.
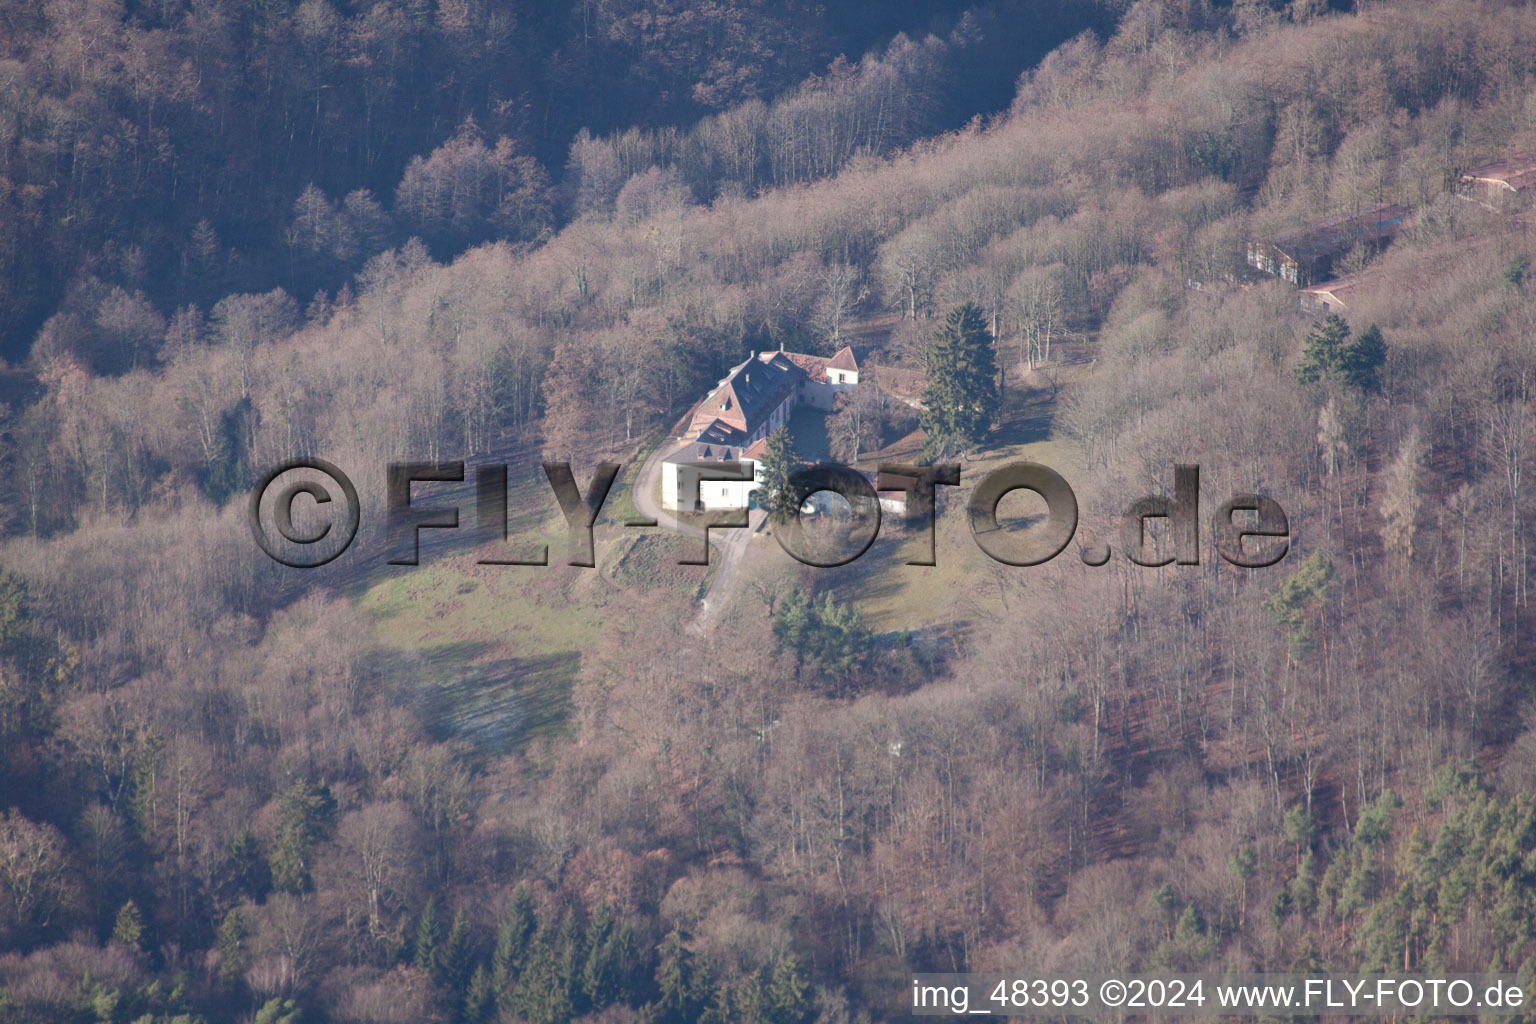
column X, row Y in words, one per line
column 808, row 427
column 876, row 574
column 501, row 704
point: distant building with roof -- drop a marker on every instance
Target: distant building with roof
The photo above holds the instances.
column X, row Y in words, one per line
column 732, row 422
column 1332, row 296
column 1500, row 184
column 1307, row 255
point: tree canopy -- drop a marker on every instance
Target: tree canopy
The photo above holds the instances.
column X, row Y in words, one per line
column 1332, row 355
column 960, row 394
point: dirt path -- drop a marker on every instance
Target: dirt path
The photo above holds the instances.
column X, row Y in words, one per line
column 730, row 545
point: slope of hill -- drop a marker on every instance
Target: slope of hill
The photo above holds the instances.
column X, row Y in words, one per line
column 235, row 787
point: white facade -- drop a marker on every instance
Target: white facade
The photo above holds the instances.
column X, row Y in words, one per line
column 718, row 433
column 714, row 495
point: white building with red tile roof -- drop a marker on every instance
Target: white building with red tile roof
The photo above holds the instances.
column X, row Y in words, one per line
column 732, row 422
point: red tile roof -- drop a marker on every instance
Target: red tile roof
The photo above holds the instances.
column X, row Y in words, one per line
column 814, row 367
column 844, row 359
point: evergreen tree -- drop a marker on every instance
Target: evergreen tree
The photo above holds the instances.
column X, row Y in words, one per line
column 773, row 472
column 1297, row 829
column 518, row 925
column 1191, row 938
column 1167, row 901
column 960, row 397
column 143, row 807
column 789, row 1000
column 1324, row 348
column 1299, row 601
column 304, row 815
column 675, row 979
column 429, row 932
column 749, row 1000
column 1304, row 885
column 826, row 636
column 1361, row 362
column 1359, row 886
column 233, row 932
column 479, row 997
column 1330, row 355
column 571, row 960
column 278, row 1011
column 1332, row 884
column 457, row 958
column 1243, row 864
column 250, row 872
column 540, row 994
column 610, row 951
column 128, row 929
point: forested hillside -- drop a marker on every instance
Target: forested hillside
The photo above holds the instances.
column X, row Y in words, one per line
column 233, row 791
column 156, row 155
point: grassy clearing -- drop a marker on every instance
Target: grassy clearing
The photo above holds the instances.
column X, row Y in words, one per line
column 965, row 583
column 499, row 647
column 500, row 643
column 650, row 562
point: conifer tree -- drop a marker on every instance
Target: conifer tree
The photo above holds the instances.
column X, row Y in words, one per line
column 773, row 473
column 571, row 960
column 610, row 951
column 128, row 929
column 479, row 997
column 304, row 814
column 1324, row 347
column 428, row 933
column 456, row 960
column 1361, row 361
column 675, row 979
column 789, row 1000
column 1330, row 354
column 517, row 928
column 233, row 932
column 749, row 999
column 540, row 995
column 279, row 1011
column 1166, row 899
column 960, row 397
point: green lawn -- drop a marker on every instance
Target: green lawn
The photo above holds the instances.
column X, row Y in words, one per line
column 500, row 646
column 895, row 596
